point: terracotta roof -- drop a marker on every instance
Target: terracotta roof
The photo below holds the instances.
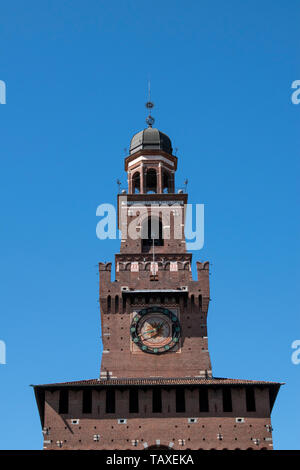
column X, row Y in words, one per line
column 160, row 381
column 39, row 390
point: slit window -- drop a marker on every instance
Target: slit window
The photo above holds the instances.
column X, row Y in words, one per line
column 116, row 304
column 180, row 400
column 156, row 400
column 250, row 399
column 227, row 399
column 203, row 400
column 133, row 400
column 110, row 401
column 200, row 302
column 63, row 406
column 87, row 401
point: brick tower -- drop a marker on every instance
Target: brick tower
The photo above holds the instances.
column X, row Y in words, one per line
column 156, row 387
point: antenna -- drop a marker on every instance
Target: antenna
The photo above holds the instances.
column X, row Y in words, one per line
column 149, row 105
column 185, row 184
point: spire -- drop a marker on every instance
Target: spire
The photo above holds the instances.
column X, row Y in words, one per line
column 149, row 105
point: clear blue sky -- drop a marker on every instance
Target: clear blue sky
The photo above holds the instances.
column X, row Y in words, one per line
column 76, row 75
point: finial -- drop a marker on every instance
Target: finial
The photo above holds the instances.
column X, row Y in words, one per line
column 185, row 184
column 149, row 105
column 119, row 184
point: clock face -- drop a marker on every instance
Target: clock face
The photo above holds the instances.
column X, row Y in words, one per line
column 155, row 330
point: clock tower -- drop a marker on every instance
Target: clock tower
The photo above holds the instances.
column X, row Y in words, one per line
column 154, row 315
column 156, row 388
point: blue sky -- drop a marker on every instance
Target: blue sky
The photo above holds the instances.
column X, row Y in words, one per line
column 76, row 75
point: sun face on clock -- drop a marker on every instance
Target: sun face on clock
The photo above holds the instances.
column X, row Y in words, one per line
column 155, row 330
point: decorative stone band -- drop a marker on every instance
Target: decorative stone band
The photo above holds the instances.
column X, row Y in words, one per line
column 145, row 158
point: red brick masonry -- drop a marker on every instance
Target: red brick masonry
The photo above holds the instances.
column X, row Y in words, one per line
column 213, row 429
column 166, row 398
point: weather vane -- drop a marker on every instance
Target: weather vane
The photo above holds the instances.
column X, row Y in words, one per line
column 149, row 105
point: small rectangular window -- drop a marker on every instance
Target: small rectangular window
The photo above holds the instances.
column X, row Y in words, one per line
column 87, row 401
column 192, row 420
column 133, row 400
column 227, row 400
column 180, row 400
column 63, row 407
column 156, row 400
column 239, row 420
column 110, row 401
column 122, row 421
column 203, row 400
column 250, row 399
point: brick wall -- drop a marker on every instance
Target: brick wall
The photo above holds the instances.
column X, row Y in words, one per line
column 167, row 427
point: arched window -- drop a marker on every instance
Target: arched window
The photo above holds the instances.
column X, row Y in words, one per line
column 152, row 233
column 136, row 183
column 151, row 181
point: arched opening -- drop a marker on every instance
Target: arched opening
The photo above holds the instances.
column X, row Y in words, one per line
column 192, row 302
column 136, row 183
column 166, row 182
column 108, row 303
column 200, row 302
column 152, row 233
column 151, row 181
column 116, row 304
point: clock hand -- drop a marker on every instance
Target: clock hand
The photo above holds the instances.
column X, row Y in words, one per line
column 146, row 332
column 154, row 330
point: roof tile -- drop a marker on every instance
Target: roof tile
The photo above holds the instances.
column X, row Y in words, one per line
column 160, row 381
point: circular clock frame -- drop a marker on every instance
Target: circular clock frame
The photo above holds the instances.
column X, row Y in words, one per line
column 171, row 320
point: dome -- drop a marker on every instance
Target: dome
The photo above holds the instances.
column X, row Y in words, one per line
column 151, row 139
